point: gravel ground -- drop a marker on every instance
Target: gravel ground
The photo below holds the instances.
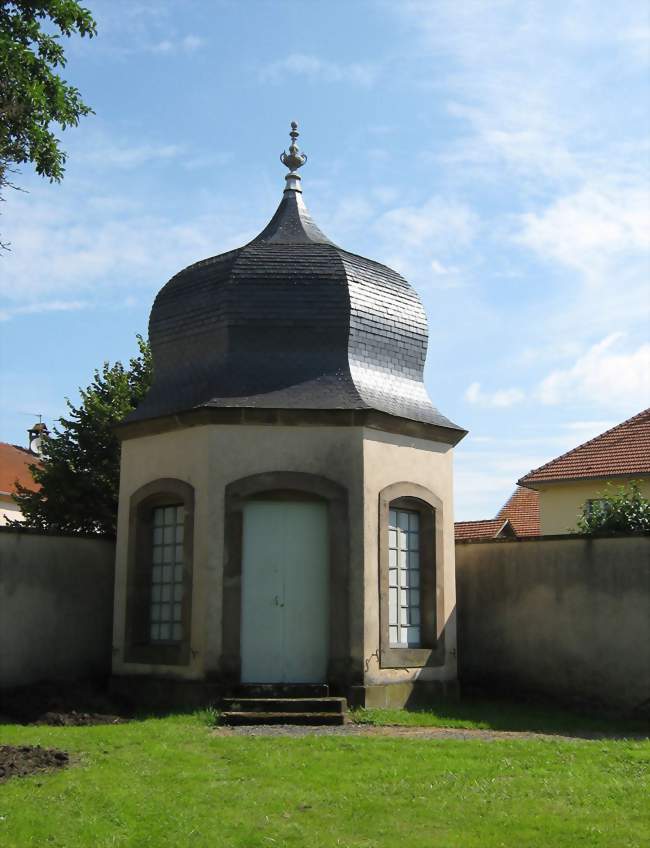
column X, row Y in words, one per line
column 365, row 730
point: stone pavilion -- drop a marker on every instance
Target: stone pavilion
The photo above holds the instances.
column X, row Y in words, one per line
column 285, row 511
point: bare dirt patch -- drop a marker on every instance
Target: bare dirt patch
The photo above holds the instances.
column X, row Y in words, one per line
column 22, row 760
column 60, row 705
column 75, row 719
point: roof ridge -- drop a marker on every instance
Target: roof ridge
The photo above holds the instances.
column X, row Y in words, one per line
column 374, row 262
column 481, row 520
column 597, row 438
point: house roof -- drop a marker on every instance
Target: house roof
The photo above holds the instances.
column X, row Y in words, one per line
column 14, row 462
column 489, row 528
column 522, row 511
column 622, row 451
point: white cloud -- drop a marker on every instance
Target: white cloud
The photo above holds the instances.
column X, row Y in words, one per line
column 101, row 149
column 126, row 156
column 447, row 276
column 604, row 376
column 499, row 398
column 540, row 123
column 522, row 139
column 351, row 212
column 71, row 246
column 589, row 429
column 484, row 478
column 592, row 230
column 314, row 68
column 192, row 42
column 424, row 241
column 438, row 222
column 637, row 40
column 555, row 159
column 187, row 44
column 44, row 306
column 207, row 161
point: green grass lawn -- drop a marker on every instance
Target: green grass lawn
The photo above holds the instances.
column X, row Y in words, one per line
column 172, row 782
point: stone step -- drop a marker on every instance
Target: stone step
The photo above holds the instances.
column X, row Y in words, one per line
column 285, row 705
column 280, row 690
column 234, row 718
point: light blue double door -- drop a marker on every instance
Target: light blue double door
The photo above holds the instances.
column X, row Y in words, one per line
column 285, row 592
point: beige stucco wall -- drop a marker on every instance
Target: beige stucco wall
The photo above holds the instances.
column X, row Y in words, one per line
column 388, row 459
column 56, row 606
column 561, row 503
column 209, row 457
column 566, row 617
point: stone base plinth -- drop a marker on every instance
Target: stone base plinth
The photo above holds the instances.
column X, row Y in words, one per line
column 403, row 695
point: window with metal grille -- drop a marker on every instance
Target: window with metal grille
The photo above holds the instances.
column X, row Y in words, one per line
column 167, row 574
column 404, row 578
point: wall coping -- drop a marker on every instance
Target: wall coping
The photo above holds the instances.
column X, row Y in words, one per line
column 37, row 531
column 549, row 537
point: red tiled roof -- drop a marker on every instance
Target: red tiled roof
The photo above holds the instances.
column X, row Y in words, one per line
column 622, row 451
column 14, row 462
column 490, row 528
column 522, row 511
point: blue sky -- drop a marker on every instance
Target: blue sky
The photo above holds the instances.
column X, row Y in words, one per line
column 496, row 153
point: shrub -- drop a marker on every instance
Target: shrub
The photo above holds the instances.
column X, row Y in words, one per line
column 618, row 509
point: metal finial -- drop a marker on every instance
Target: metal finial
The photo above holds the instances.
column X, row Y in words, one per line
column 294, row 159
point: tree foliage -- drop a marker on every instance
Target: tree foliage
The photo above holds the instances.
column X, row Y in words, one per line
column 33, row 96
column 79, row 475
column 621, row 509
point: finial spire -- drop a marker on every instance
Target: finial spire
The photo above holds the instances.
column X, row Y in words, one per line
column 293, row 160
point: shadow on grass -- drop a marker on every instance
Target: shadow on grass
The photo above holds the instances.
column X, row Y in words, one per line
column 79, row 704
column 491, row 713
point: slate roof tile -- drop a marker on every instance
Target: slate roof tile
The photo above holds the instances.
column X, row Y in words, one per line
column 289, row 321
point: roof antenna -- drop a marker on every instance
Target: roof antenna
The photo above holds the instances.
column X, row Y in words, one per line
column 293, row 160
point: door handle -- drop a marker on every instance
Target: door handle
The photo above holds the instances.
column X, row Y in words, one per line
column 276, row 602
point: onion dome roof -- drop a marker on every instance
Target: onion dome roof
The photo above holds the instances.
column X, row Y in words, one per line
column 290, row 321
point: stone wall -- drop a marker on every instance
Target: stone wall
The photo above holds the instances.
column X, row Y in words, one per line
column 56, row 607
column 565, row 616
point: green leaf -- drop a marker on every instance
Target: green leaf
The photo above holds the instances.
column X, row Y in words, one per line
column 79, row 476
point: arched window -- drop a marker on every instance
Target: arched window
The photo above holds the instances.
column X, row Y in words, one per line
column 404, row 576
column 167, row 577
column 411, row 584
column 159, row 587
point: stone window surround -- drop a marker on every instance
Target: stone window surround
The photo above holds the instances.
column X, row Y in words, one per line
column 432, row 653
column 139, row 648
column 289, row 485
